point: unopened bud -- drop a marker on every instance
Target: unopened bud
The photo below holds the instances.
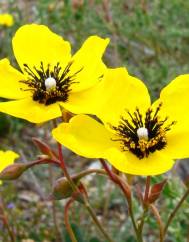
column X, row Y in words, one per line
column 43, row 147
column 62, row 188
column 14, row 171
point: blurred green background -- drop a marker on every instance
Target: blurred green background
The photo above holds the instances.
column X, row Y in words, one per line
column 149, row 38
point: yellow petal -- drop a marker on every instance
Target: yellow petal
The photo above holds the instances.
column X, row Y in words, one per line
column 156, row 163
column 33, row 44
column 10, row 85
column 121, row 93
column 85, row 136
column 30, row 110
column 175, row 106
column 174, row 98
column 88, row 63
column 112, row 97
column 178, row 143
column 89, row 138
column 7, row 158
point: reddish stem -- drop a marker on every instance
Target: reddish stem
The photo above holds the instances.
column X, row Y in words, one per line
column 147, row 189
column 126, row 191
column 6, row 222
column 159, row 221
column 114, row 178
column 66, row 220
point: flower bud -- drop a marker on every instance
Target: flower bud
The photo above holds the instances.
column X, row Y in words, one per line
column 62, row 188
column 13, row 171
column 43, row 147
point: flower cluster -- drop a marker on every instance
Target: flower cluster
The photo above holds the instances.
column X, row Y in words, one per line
column 135, row 135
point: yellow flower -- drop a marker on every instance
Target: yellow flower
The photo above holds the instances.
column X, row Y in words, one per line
column 7, row 158
column 6, row 19
column 50, row 75
column 137, row 137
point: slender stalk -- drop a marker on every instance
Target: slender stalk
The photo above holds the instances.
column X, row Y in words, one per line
column 147, row 188
column 145, row 207
column 116, row 179
column 64, row 169
column 126, row 192
column 96, row 221
column 63, row 164
column 66, row 220
column 172, row 215
column 91, row 171
column 76, row 190
column 54, row 213
column 6, row 222
column 141, row 225
column 159, row 221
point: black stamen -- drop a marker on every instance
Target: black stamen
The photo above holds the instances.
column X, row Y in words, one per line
column 36, row 82
column 128, row 137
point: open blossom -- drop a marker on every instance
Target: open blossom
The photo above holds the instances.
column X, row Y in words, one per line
column 49, row 75
column 7, row 158
column 137, row 136
column 6, row 19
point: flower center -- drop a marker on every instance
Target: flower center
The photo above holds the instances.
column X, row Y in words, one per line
column 49, row 85
column 143, row 135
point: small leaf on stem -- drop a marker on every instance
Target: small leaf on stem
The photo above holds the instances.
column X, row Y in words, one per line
column 156, row 190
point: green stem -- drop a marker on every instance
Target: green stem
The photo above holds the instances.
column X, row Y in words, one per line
column 96, row 221
column 141, row 225
column 159, row 221
column 172, row 215
column 145, row 208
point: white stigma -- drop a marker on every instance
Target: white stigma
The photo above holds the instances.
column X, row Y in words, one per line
column 50, row 83
column 142, row 133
